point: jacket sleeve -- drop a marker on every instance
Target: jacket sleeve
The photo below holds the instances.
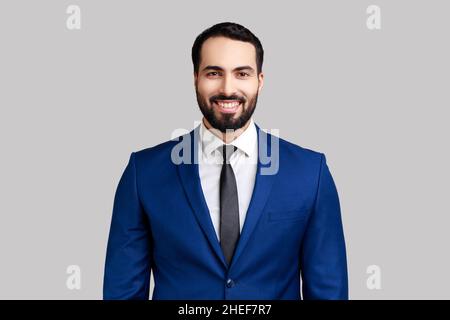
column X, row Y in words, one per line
column 128, row 253
column 323, row 254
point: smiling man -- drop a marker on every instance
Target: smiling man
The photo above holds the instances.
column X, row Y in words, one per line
column 217, row 226
column 228, row 78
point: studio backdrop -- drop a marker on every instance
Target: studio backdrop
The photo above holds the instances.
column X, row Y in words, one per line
column 83, row 84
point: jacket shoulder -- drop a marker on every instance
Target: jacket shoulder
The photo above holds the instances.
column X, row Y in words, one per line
column 159, row 152
column 296, row 150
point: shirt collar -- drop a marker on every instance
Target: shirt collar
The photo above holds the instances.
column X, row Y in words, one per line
column 246, row 142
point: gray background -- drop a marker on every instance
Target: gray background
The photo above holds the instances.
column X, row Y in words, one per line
column 75, row 104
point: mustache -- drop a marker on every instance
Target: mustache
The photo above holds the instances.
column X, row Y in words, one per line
column 223, row 97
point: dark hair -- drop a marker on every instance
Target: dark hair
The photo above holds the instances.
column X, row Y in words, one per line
column 229, row 30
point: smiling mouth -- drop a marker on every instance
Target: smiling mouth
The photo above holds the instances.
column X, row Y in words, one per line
column 227, row 106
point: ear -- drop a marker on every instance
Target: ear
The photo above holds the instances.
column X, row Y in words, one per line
column 261, row 81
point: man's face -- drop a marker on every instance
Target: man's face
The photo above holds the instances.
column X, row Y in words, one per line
column 227, row 83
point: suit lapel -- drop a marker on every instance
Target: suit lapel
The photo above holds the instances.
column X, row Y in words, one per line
column 261, row 191
column 190, row 179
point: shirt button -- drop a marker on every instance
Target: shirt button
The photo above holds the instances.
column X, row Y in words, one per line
column 230, row 283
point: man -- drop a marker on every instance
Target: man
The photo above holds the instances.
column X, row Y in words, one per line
column 217, row 225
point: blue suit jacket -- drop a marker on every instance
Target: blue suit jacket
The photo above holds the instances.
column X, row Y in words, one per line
column 161, row 222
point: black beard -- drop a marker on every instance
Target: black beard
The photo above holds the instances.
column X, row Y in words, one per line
column 227, row 122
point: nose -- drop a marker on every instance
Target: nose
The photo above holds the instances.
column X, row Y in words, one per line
column 227, row 86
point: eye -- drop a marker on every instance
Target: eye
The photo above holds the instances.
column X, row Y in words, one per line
column 243, row 74
column 212, row 74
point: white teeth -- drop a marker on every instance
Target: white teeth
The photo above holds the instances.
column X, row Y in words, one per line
column 228, row 105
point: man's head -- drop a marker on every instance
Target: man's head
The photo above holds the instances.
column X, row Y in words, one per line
column 228, row 74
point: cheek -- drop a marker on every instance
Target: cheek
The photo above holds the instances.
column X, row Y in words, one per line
column 250, row 88
column 207, row 88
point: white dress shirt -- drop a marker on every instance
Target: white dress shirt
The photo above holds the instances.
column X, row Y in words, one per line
column 243, row 161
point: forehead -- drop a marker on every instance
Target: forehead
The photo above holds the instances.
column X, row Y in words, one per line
column 227, row 53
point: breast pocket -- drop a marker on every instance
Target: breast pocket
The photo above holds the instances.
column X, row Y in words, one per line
column 289, row 215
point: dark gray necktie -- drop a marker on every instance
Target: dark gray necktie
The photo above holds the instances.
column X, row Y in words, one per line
column 229, row 205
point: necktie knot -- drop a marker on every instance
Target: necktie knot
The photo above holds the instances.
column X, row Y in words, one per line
column 227, row 151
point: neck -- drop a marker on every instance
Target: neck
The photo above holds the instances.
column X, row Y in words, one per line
column 228, row 136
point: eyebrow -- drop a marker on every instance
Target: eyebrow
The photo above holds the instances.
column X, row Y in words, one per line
column 235, row 69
